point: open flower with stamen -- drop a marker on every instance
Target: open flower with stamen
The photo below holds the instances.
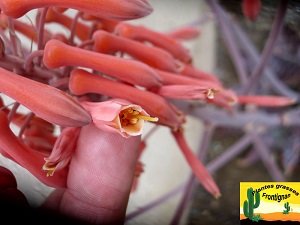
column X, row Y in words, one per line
column 82, row 82
column 118, row 115
column 63, row 150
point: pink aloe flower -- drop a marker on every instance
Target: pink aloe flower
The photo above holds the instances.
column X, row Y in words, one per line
column 58, row 54
column 196, row 165
column 61, row 108
column 187, row 92
column 251, row 8
column 82, row 82
column 118, row 115
column 63, row 150
column 164, row 41
column 266, row 101
column 185, row 33
column 109, row 43
column 13, row 148
column 113, row 9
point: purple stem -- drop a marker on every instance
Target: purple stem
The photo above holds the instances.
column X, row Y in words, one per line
column 238, row 119
column 15, row 41
column 253, row 54
column 41, row 24
column 251, row 158
column 13, row 111
column 264, row 154
column 26, row 123
column 6, row 40
column 28, row 65
column 41, row 27
column 268, row 49
column 73, row 28
column 11, row 63
column 229, row 153
column 230, row 42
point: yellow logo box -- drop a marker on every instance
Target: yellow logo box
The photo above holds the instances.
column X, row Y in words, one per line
column 269, row 201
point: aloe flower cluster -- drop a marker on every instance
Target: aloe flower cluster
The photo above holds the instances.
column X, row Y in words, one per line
column 100, row 84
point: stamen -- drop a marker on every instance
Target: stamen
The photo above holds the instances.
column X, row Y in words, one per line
column 210, row 93
column 148, row 118
column 130, row 116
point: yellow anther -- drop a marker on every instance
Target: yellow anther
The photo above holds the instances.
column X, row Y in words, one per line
column 148, row 118
column 131, row 116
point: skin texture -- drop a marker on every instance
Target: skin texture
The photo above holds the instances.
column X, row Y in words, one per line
column 100, row 178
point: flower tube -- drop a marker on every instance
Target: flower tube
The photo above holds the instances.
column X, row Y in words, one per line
column 112, row 9
column 158, row 39
column 58, row 54
column 186, row 92
column 49, row 103
column 156, row 57
column 266, row 101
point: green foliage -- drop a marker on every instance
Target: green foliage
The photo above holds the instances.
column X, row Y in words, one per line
column 249, row 205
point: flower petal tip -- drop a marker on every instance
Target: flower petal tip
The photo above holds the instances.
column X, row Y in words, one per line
column 217, row 195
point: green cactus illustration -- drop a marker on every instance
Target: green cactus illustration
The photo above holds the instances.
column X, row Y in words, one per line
column 287, row 208
column 249, row 205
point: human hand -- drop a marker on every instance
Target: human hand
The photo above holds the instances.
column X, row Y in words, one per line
column 99, row 179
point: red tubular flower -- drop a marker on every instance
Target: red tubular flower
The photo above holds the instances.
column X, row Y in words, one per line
column 151, row 55
column 187, row 92
column 57, row 54
column 266, row 101
column 51, row 104
column 199, row 170
column 83, row 82
column 118, row 115
column 169, row 78
column 251, row 8
column 158, row 39
column 31, row 160
column 185, row 33
column 190, row 71
column 224, row 98
column 113, row 9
